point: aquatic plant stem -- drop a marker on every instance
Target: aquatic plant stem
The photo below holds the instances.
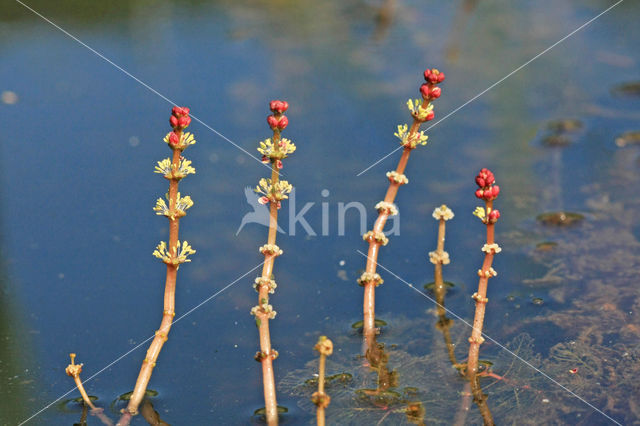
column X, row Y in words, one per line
column 320, row 398
column 476, row 338
column 74, row 370
column 268, row 379
column 489, row 216
column 440, row 258
column 174, row 172
column 374, row 246
column 168, row 312
column 411, row 137
column 273, row 150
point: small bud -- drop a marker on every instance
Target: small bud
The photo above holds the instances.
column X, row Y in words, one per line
column 494, row 216
column 479, row 193
column 174, row 139
column 184, row 121
column 424, row 90
column 176, row 110
column 430, row 116
column 494, row 190
column 272, row 121
column 173, row 120
column 283, row 123
column 435, row 93
column 279, row 164
column 324, row 346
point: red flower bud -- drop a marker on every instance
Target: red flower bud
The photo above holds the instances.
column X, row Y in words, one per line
column 283, row 123
column 173, row 121
column 424, row 90
column 272, row 121
column 278, row 107
column 495, row 190
column 265, row 159
column 435, row 93
column 184, row 121
column 494, row 215
column 480, row 181
column 479, row 193
column 279, row 164
column 430, row 116
column 179, row 111
column 174, row 139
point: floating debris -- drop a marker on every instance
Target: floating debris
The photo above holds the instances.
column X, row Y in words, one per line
column 561, row 132
column 127, row 396
column 336, row 379
column 432, row 285
column 628, row 138
column 262, row 411
column 379, row 397
column 359, row 324
column 564, row 125
column 546, row 246
column 64, row 405
column 560, row 218
column 627, row 89
column 537, row 301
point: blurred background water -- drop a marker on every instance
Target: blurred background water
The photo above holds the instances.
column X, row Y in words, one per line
column 80, row 140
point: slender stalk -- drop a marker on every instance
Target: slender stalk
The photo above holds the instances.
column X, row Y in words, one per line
column 74, row 370
column 411, row 137
column 320, row 398
column 273, row 150
column 440, row 258
column 488, row 192
column 174, row 170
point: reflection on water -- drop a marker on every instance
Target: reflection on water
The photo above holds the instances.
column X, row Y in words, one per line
column 78, row 188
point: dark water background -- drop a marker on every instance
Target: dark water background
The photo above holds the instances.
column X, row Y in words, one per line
column 80, row 142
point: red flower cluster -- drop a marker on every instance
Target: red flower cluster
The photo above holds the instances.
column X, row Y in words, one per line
column 278, row 121
column 488, row 190
column 180, row 118
column 429, row 90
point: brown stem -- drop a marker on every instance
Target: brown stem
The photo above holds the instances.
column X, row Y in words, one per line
column 267, row 354
column 476, row 338
column 440, row 292
column 369, row 302
column 169, row 298
column 320, row 409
